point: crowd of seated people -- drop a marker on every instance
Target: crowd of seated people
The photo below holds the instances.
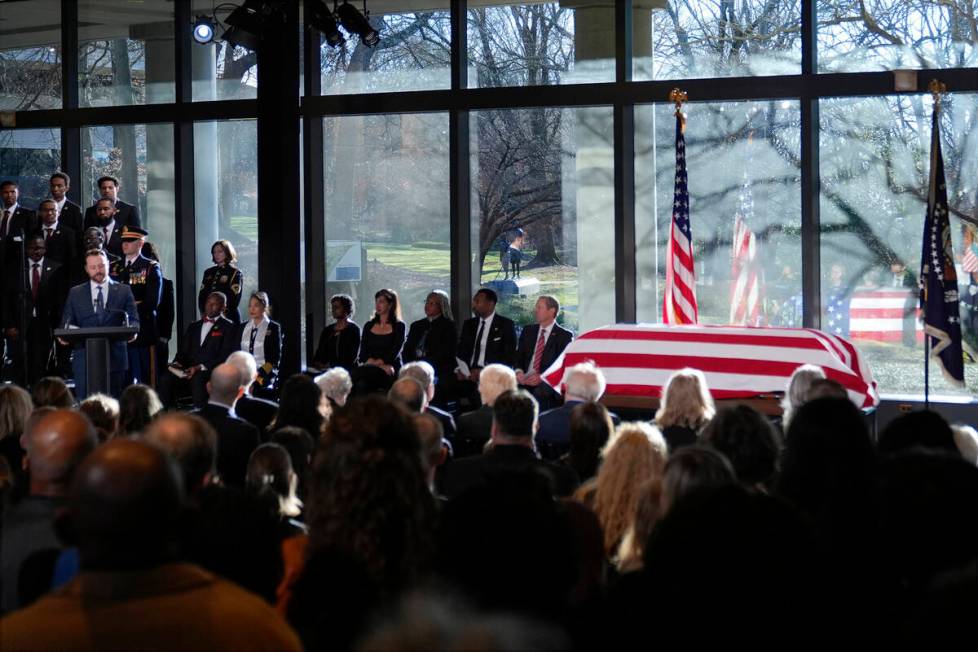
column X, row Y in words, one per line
column 423, row 492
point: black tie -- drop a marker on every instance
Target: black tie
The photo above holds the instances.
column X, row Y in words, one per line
column 254, row 334
column 99, row 301
column 478, row 343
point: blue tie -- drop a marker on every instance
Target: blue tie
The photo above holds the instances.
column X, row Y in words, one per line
column 99, row 301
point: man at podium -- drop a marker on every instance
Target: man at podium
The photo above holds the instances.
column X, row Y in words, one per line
column 101, row 302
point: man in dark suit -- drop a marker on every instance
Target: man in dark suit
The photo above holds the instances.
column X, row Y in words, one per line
column 513, row 426
column 69, row 214
column 144, row 278
column 125, row 214
column 424, row 373
column 540, row 345
column 165, row 314
column 207, row 343
column 15, row 223
column 259, row 412
column 486, row 339
column 100, row 302
column 106, row 222
column 34, row 300
column 583, row 383
column 60, row 240
column 475, row 428
column 236, row 438
column 433, row 338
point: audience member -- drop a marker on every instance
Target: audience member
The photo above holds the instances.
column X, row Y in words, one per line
column 15, row 410
column 124, row 510
column 103, row 411
column 409, row 393
column 301, row 447
column 583, row 383
column 432, row 339
column 339, row 342
column 648, row 511
column 591, row 427
column 303, row 405
column 826, row 388
column 192, row 442
column 52, row 391
column 259, row 412
column 270, row 471
column 56, row 444
column 692, row 468
column 514, row 424
column 336, row 386
column 485, row 339
column 749, row 441
column 433, row 451
column 799, row 386
column 138, row 406
column 236, row 438
column 474, row 428
column 966, row 440
column 424, row 373
column 540, row 344
column 923, row 429
column 685, row 408
column 380, row 345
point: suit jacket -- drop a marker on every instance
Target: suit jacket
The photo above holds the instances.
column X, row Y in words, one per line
column 500, row 345
column 434, row 342
column 258, row 412
column 166, row 311
column 145, row 280
column 19, row 224
column 62, row 245
column 236, row 439
column 220, row 342
column 472, row 471
column 472, row 431
column 52, row 292
column 79, row 311
column 268, row 370
column 71, row 217
column 447, row 420
column 126, row 215
column 555, row 423
column 558, row 340
column 341, row 352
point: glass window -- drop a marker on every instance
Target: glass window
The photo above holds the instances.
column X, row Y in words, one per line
column 874, row 167
column 855, row 36
column 387, row 208
column 126, row 53
column 221, row 71
column 414, row 51
column 226, row 196
column 742, row 161
column 540, row 43
column 29, row 157
column 543, row 210
column 676, row 39
column 141, row 157
column 30, row 58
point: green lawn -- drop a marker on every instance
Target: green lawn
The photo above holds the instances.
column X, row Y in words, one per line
column 423, row 260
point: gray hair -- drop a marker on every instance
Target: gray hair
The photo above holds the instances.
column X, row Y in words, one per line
column 335, row 384
column 443, row 302
column 421, row 371
column 245, row 363
column 798, row 385
column 585, row 381
column 494, row 380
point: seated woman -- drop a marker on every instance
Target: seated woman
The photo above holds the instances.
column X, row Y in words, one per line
column 686, row 406
column 339, row 342
column 262, row 338
column 380, row 346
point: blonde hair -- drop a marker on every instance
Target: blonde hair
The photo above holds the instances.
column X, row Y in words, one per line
column 648, row 511
column 15, row 409
column 798, row 385
column 635, row 455
column 686, row 400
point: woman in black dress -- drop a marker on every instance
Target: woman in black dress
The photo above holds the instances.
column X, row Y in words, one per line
column 339, row 343
column 224, row 277
column 380, row 346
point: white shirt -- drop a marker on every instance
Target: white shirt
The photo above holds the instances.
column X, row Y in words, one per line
column 481, row 362
column 45, row 228
column 546, row 330
column 205, row 328
column 108, row 229
column 131, row 259
column 59, row 205
column 105, row 292
column 259, row 351
column 10, row 216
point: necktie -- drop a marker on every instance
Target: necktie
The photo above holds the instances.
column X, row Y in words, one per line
column 99, row 301
column 538, row 352
column 35, row 280
column 254, row 334
column 47, row 233
column 478, row 344
column 4, row 225
column 105, row 230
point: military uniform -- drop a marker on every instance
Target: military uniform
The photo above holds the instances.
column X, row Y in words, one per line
column 227, row 280
column 145, row 279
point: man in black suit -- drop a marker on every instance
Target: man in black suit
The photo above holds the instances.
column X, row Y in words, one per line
column 424, row 373
column 125, row 214
column 144, row 278
column 236, row 438
column 207, row 343
column 259, row 412
column 583, row 383
column 475, row 428
column 106, row 222
column 15, row 223
column 60, row 240
column 34, row 300
column 165, row 313
column 540, row 345
column 513, row 426
column 69, row 214
column 486, row 339
column 433, row 338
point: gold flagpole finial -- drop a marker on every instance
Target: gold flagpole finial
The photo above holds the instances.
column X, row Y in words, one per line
column 679, row 97
column 937, row 88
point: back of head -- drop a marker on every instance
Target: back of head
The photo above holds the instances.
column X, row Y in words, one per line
column 584, row 382
column 225, row 384
column 686, row 400
column 56, row 444
column 270, row 468
column 799, row 386
column 190, row 441
column 138, row 404
column 335, row 384
column 748, row 440
column 408, row 392
column 430, row 435
column 244, row 362
column 514, row 415
column 15, row 410
column 52, row 391
column 590, row 429
column 694, row 467
column 124, row 505
column 921, row 429
column 299, row 404
column 421, row 371
column 825, row 388
column 494, row 379
column 103, row 411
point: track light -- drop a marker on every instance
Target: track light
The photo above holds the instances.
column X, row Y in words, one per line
column 356, row 23
column 245, row 25
column 322, row 19
column 203, row 29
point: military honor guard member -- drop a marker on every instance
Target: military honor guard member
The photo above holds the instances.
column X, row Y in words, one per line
column 223, row 277
column 145, row 279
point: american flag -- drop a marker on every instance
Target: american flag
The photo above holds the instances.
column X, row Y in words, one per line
column 738, row 362
column 970, row 261
column 938, row 278
column 679, row 302
column 747, row 277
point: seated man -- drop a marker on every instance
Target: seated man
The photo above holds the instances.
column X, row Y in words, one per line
column 424, row 373
column 540, row 345
column 259, row 412
column 583, row 383
column 474, row 428
column 236, row 438
column 207, row 343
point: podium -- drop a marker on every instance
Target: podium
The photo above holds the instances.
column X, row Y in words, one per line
column 97, row 351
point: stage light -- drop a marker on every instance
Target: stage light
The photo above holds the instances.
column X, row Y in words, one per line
column 204, row 29
column 322, row 19
column 245, row 25
column 356, row 23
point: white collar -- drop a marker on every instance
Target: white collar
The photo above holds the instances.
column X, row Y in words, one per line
column 31, row 263
column 61, row 203
column 13, row 209
column 53, row 227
